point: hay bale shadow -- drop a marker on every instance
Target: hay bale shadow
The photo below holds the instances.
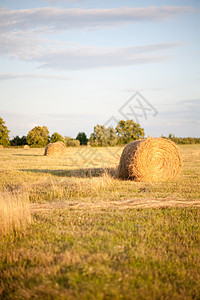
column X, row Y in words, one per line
column 27, row 155
column 79, row 173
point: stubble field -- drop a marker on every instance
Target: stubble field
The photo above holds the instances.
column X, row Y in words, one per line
column 93, row 236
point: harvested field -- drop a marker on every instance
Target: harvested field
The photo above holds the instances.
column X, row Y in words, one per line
column 94, row 234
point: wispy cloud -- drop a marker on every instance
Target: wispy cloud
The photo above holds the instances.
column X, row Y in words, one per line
column 22, row 36
column 53, row 18
column 7, row 76
column 66, row 56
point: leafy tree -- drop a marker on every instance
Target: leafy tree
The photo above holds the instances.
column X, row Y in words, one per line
column 92, row 139
column 112, row 138
column 17, row 141
column 99, row 136
column 82, row 137
column 129, row 131
column 4, row 134
column 103, row 136
column 57, row 137
column 38, row 136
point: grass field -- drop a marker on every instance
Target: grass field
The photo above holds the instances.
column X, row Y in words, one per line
column 93, row 236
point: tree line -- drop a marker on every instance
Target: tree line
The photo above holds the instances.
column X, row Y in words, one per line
column 125, row 132
column 181, row 140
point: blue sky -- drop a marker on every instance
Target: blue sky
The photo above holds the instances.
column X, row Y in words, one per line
column 72, row 64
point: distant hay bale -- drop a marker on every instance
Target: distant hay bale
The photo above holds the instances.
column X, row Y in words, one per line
column 61, row 143
column 26, row 147
column 152, row 159
column 54, row 149
column 1, row 146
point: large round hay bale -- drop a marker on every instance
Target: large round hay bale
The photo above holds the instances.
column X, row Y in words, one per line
column 26, row 147
column 1, row 146
column 152, row 159
column 61, row 143
column 54, row 149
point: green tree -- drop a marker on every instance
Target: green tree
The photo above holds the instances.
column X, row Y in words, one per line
column 4, row 134
column 17, row 141
column 38, row 136
column 129, row 131
column 92, row 139
column 57, row 137
column 103, row 136
column 112, row 138
column 82, row 137
column 99, row 137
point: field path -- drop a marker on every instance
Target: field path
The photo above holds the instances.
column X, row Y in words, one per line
column 122, row 204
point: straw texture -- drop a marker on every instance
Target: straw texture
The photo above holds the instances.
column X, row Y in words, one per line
column 54, row 149
column 150, row 160
column 61, row 143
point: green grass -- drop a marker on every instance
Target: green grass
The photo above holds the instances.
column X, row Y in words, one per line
column 88, row 241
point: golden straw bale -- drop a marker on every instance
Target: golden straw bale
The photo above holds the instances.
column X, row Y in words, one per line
column 54, row 149
column 152, row 159
column 61, row 143
column 1, row 146
column 26, row 147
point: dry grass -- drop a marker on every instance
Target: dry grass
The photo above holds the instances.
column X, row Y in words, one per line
column 1, row 147
column 14, row 212
column 150, row 160
column 97, row 237
column 72, row 177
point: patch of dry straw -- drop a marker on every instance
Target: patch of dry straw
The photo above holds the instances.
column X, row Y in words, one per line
column 54, row 149
column 14, row 212
column 61, row 143
column 150, row 160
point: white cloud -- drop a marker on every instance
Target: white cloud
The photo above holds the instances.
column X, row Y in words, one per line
column 91, row 57
column 69, row 56
column 7, row 76
column 53, row 18
column 21, row 36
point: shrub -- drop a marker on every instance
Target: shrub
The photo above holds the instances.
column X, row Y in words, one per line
column 71, row 142
column 180, row 140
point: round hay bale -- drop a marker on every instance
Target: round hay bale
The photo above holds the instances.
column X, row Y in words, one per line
column 1, row 146
column 26, row 147
column 61, row 143
column 152, row 159
column 54, row 149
